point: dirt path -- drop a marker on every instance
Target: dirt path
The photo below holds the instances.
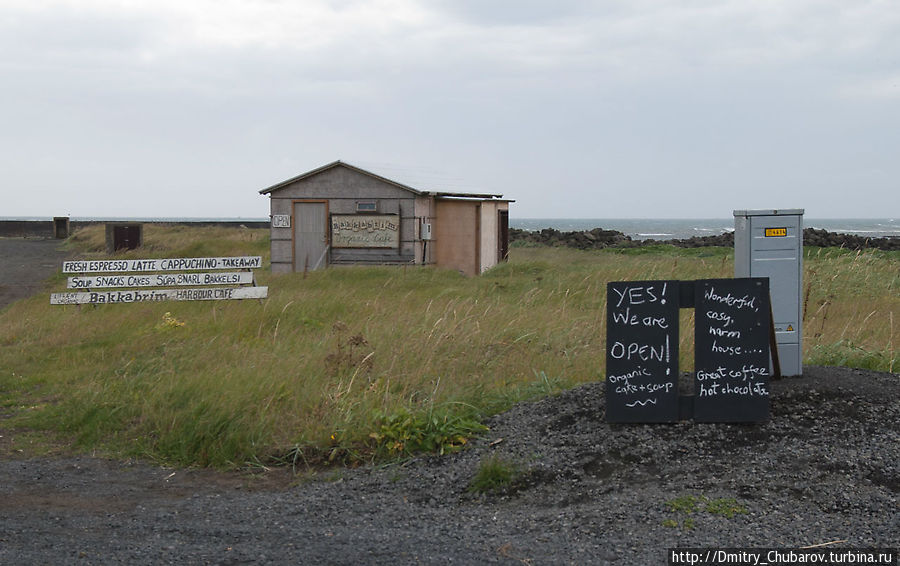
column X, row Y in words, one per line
column 24, row 266
column 825, row 468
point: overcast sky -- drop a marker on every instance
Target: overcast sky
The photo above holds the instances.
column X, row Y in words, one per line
column 582, row 109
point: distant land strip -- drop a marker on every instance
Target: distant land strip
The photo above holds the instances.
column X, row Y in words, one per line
column 599, row 238
column 44, row 228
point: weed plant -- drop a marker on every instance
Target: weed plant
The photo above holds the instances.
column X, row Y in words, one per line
column 358, row 363
column 685, row 506
column 494, row 474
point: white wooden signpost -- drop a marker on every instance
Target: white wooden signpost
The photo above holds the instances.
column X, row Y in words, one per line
column 128, row 280
column 159, row 279
column 165, row 264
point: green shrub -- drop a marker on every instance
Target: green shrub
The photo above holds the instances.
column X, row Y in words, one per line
column 725, row 507
column 441, row 430
column 685, row 506
column 846, row 353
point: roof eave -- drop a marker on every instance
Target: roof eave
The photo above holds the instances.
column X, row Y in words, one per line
column 481, row 196
column 323, row 168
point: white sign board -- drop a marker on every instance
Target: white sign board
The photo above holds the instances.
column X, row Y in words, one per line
column 281, row 221
column 165, row 264
column 140, row 296
column 159, row 280
column 128, row 273
column 365, row 231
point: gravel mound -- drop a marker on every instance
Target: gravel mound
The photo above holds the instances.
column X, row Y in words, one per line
column 825, row 468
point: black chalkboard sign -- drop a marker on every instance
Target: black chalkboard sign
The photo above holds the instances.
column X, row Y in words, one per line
column 731, row 360
column 642, row 351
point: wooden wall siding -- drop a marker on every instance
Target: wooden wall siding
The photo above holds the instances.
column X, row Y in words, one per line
column 343, row 188
column 338, row 183
column 490, row 234
column 465, row 232
column 487, row 241
column 456, row 236
column 424, row 210
column 310, row 225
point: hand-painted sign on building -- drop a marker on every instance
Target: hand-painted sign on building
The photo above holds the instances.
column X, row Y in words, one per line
column 365, row 231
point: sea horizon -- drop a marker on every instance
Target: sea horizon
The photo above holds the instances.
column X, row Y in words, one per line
column 682, row 228
column 636, row 228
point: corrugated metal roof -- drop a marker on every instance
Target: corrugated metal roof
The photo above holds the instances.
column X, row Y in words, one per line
column 399, row 184
column 479, row 196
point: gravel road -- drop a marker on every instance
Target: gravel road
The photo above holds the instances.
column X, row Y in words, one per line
column 25, row 264
column 825, row 468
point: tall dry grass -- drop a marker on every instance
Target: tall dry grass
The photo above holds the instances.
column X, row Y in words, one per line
column 334, row 365
column 851, row 300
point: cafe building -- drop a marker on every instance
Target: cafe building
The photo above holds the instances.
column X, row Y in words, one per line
column 340, row 214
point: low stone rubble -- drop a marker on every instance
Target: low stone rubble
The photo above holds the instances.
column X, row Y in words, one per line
column 598, row 238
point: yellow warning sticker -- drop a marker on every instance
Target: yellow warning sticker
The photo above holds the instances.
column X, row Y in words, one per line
column 790, row 328
column 776, row 232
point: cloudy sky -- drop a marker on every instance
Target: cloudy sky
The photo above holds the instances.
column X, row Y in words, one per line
column 574, row 108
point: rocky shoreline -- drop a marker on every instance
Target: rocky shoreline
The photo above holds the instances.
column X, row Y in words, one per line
column 598, row 238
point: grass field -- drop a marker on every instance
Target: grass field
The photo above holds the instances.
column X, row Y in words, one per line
column 350, row 364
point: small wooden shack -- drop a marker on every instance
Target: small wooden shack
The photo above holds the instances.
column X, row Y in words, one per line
column 340, row 214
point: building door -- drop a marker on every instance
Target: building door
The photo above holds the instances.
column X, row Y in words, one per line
column 126, row 237
column 502, row 235
column 310, row 235
column 61, row 228
column 457, row 232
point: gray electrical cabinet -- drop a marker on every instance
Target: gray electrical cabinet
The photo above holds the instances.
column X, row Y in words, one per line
column 769, row 243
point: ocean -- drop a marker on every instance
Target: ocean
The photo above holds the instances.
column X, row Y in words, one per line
column 680, row 228
column 637, row 228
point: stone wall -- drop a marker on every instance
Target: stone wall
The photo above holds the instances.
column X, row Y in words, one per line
column 44, row 228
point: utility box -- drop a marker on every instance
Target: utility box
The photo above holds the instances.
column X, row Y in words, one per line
column 769, row 243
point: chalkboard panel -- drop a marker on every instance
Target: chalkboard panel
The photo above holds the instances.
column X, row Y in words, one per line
column 642, row 351
column 731, row 360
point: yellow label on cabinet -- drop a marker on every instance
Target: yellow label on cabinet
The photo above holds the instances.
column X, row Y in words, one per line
column 776, row 232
